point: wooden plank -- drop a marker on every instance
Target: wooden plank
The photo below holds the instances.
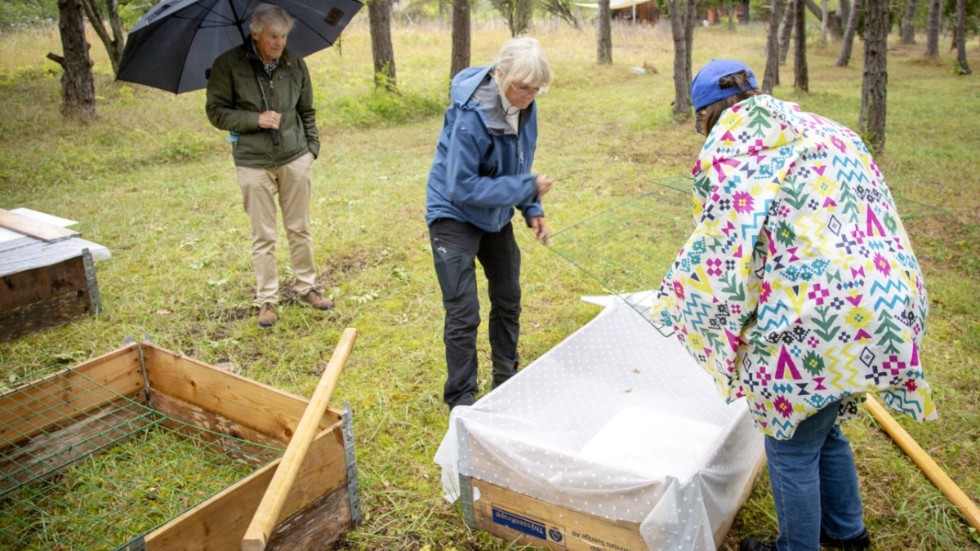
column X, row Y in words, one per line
column 220, row 522
column 264, row 521
column 188, row 413
column 43, row 297
column 316, row 527
column 53, row 402
column 242, row 401
column 526, row 520
column 34, row 228
column 47, row 453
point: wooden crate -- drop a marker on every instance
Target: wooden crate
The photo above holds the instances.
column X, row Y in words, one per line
column 516, row 517
column 47, row 272
column 322, row 505
column 47, row 295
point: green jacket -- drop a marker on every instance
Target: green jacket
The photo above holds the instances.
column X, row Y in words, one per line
column 234, row 102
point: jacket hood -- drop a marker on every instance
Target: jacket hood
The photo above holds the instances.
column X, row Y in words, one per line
column 475, row 89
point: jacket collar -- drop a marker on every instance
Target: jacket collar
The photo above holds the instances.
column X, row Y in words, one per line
column 285, row 60
column 476, row 89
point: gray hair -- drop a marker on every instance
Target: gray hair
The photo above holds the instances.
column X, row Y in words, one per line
column 270, row 16
column 523, row 61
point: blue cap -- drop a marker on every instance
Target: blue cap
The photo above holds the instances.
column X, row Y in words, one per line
column 705, row 89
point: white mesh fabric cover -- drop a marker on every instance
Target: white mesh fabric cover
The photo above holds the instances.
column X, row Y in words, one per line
column 616, row 421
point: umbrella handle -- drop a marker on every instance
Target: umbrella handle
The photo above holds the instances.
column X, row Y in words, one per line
column 273, row 132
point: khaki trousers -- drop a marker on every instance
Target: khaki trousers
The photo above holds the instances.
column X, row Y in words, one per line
column 292, row 183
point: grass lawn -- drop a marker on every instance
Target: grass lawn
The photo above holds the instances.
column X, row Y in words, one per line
column 154, row 182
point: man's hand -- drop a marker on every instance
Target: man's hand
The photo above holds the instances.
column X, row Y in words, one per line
column 540, row 229
column 543, row 183
column 269, row 119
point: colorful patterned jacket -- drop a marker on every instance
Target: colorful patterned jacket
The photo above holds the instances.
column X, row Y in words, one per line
column 798, row 287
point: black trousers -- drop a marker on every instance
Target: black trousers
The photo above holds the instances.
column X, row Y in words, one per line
column 455, row 247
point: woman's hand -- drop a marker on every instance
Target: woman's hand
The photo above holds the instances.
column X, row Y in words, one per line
column 543, row 183
column 540, row 229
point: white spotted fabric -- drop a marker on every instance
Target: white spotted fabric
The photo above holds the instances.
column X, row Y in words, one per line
column 616, row 421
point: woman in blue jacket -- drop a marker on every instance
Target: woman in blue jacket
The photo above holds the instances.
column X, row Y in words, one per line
column 480, row 174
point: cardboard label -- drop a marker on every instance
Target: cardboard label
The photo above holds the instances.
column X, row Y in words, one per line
column 529, row 526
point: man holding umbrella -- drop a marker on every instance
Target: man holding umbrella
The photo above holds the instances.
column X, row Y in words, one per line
column 261, row 93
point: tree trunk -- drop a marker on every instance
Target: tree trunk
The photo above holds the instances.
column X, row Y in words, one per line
column 961, row 37
column 801, row 75
column 818, row 13
column 848, row 43
column 604, row 38
column 771, row 78
column 113, row 43
column 823, row 23
column 461, row 37
column 871, row 121
column 908, row 22
column 690, row 21
column 786, row 29
column 682, row 82
column 843, row 13
column 932, row 28
column 77, row 82
column 379, row 20
column 731, row 16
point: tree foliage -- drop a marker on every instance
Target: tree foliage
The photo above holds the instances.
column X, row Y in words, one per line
column 563, row 9
column 517, row 13
column 23, row 13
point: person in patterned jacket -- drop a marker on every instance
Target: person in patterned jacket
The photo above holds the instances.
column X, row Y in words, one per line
column 798, row 290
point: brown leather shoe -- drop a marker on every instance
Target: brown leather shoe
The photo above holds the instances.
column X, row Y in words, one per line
column 315, row 299
column 267, row 315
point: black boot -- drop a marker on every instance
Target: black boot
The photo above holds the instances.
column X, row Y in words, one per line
column 752, row 544
column 863, row 541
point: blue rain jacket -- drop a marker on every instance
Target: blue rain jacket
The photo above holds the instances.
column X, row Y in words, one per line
column 482, row 167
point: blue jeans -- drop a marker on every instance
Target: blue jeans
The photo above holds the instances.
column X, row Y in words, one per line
column 455, row 248
column 814, row 484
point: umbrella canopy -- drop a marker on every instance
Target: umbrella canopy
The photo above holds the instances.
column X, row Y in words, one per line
column 173, row 45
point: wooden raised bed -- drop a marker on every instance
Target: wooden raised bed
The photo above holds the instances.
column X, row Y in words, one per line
column 51, row 424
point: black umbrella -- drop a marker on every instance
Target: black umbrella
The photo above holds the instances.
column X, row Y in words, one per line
column 173, row 45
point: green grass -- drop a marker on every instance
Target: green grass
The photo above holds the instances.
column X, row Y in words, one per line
column 153, row 181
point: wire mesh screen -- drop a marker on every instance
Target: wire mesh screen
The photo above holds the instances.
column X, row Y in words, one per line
column 628, row 248
column 83, row 467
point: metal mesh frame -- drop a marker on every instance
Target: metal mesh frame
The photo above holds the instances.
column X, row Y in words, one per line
column 629, row 248
column 102, row 478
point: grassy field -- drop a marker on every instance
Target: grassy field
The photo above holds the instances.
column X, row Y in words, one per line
column 153, row 181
